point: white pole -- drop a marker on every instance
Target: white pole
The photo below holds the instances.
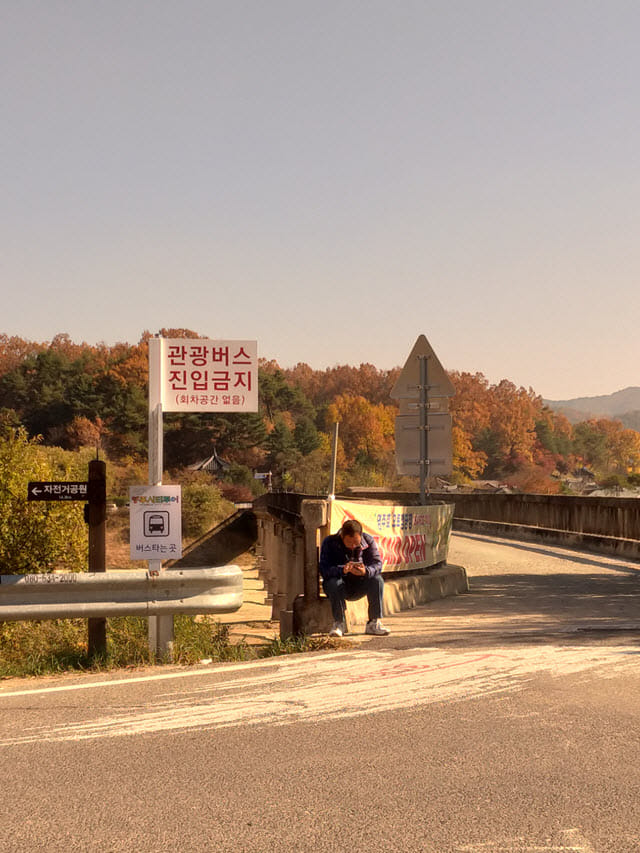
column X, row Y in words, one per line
column 160, row 627
column 334, row 463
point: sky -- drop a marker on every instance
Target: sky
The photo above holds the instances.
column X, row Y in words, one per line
column 331, row 179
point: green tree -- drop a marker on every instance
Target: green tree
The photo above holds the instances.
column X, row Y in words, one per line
column 590, row 444
column 278, row 395
column 306, row 436
column 283, row 453
column 190, row 438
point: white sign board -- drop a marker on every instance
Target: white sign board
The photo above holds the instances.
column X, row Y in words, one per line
column 209, row 376
column 155, row 522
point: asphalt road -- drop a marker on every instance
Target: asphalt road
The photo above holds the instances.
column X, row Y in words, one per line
column 504, row 720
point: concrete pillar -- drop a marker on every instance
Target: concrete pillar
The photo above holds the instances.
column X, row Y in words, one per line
column 314, row 515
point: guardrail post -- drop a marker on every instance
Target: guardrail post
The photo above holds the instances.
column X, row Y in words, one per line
column 97, row 516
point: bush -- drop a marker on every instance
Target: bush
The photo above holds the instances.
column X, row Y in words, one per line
column 240, row 475
column 60, row 645
column 202, row 508
column 236, row 493
column 613, row 481
column 39, row 536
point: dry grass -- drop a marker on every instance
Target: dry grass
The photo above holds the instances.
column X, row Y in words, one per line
column 117, row 542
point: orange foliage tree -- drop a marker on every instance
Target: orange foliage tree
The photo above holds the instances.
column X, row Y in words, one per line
column 366, row 429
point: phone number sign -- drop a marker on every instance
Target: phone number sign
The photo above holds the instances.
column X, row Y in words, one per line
column 209, row 376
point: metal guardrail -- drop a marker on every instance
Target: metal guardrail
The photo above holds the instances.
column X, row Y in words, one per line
column 134, row 593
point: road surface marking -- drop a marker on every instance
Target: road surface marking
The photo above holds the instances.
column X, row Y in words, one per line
column 167, row 676
column 312, row 689
column 571, row 841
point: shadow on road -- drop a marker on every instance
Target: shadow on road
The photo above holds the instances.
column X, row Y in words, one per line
column 533, row 608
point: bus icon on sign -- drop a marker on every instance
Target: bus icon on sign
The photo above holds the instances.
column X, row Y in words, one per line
column 156, row 523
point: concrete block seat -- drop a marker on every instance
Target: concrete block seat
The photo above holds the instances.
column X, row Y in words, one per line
column 400, row 593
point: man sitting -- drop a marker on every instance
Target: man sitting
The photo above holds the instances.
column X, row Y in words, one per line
column 350, row 567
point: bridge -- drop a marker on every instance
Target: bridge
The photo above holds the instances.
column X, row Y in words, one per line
column 286, row 529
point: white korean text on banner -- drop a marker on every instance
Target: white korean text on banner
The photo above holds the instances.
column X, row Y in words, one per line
column 155, row 522
column 209, row 376
column 408, row 537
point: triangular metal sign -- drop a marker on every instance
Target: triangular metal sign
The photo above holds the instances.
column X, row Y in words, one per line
column 406, row 387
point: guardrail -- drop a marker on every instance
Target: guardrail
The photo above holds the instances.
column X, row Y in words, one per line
column 134, row 593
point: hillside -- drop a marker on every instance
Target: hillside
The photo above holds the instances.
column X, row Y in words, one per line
column 623, row 405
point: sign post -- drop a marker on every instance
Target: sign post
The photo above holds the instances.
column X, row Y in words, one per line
column 193, row 375
column 160, row 631
column 94, row 492
column 423, row 426
column 97, row 519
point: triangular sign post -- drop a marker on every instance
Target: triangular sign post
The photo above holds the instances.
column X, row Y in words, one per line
column 406, row 387
column 422, row 389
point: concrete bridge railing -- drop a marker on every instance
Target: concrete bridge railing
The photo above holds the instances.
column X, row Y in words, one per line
column 614, row 517
column 604, row 525
column 290, row 528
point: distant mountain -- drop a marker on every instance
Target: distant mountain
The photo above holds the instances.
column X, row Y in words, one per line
column 623, row 405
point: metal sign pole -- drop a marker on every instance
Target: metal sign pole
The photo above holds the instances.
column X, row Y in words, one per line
column 424, row 440
column 160, row 627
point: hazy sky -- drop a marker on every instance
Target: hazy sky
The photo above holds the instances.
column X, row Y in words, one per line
column 331, row 178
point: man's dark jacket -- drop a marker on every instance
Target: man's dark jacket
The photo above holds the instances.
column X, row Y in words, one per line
column 334, row 554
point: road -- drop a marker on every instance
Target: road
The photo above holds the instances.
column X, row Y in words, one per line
column 456, row 734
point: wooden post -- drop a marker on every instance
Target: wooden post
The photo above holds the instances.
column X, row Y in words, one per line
column 97, row 517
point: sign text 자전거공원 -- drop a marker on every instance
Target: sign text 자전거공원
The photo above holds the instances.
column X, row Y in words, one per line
column 58, row 491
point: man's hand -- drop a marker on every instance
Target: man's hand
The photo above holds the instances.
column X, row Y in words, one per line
column 357, row 569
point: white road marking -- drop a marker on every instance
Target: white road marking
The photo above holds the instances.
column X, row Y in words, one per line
column 348, row 684
column 571, row 837
column 166, row 676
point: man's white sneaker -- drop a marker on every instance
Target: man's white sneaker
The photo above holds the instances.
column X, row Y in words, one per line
column 376, row 627
column 338, row 629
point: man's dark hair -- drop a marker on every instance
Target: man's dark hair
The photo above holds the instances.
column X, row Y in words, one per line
column 350, row 527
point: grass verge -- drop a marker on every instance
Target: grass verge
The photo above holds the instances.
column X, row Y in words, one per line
column 60, row 645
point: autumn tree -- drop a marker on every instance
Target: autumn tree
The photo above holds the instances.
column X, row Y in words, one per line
column 471, row 417
column 322, row 386
column 76, row 395
column 366, row 429
column 467, row 462
column 607, row 446
column 14, row 350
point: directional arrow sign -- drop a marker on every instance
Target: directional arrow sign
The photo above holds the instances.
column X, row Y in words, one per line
column 406, row 387
column 64, row 490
